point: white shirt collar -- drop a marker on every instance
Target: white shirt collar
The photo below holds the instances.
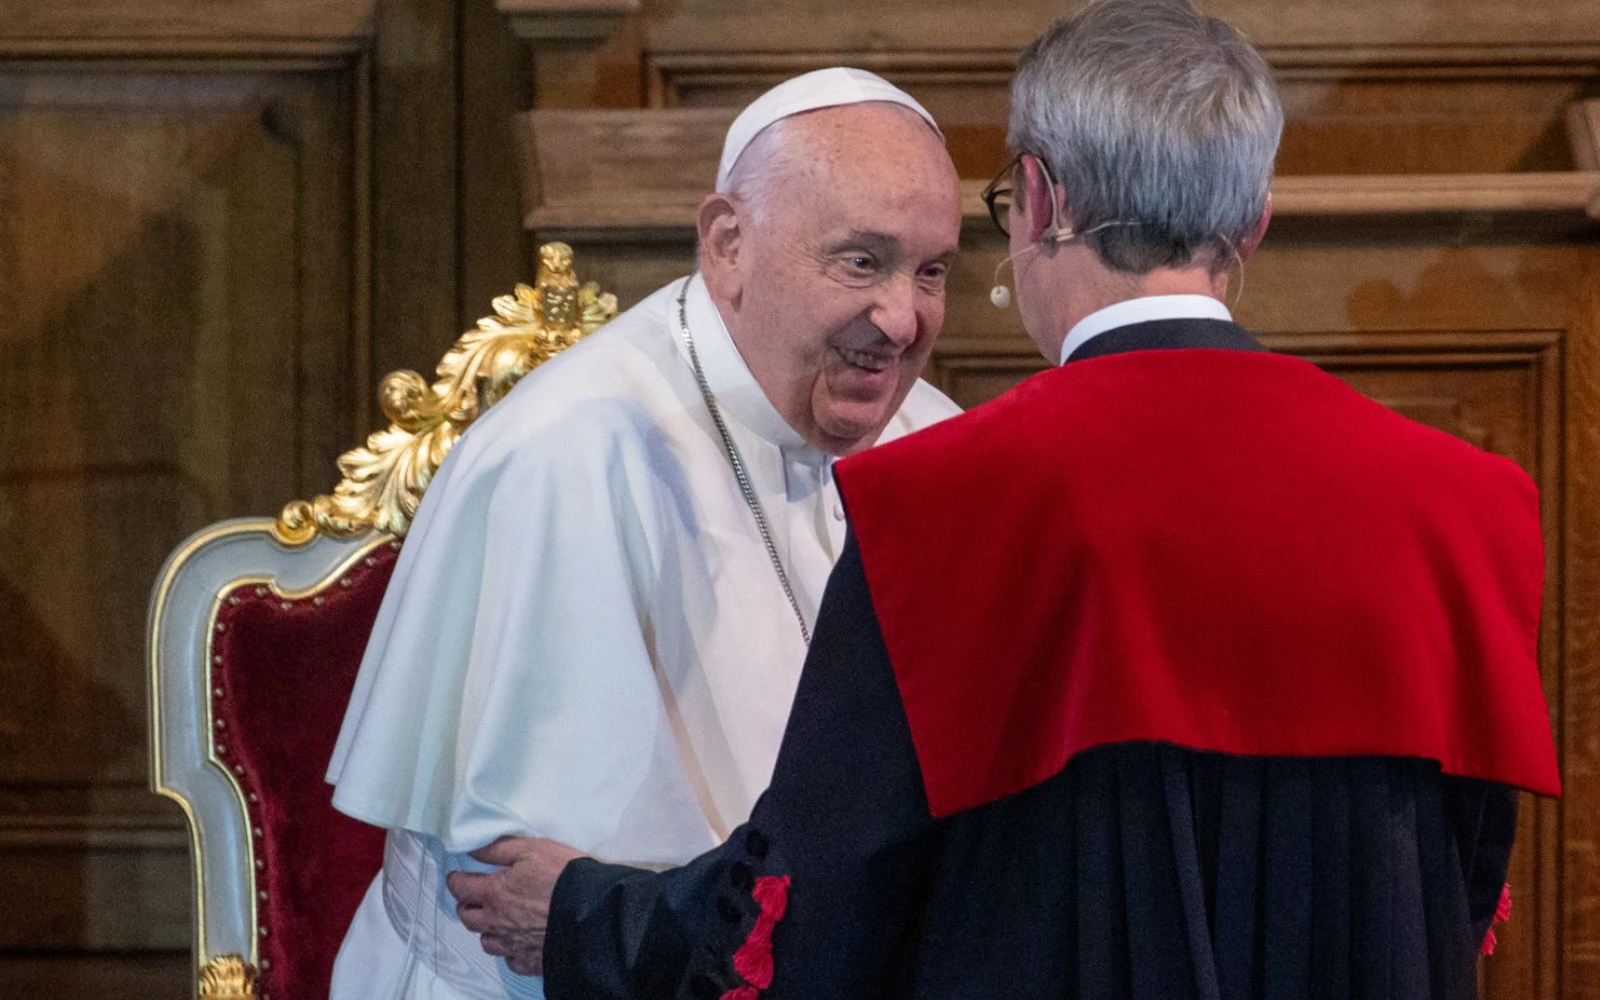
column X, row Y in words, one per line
column 1142, row 310
column 736, row 390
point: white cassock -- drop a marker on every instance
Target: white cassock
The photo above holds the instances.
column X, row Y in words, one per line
column 585, row 638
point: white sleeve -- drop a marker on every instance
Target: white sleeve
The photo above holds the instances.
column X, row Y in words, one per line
column 508, row 686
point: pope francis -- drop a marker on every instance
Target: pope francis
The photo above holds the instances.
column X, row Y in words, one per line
column 597, row 624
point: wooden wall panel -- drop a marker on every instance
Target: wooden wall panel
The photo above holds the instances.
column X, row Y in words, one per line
column 177, row 336
column 217, row 219
column 1395, row 121
column 415, row 190
column 496, row 84
column 163, row 976
column 1578, row 853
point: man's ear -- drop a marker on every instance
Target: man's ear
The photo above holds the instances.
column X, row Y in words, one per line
column 720, row 226
column 1037, row 204
column 1259, row 233
column 1034, row 200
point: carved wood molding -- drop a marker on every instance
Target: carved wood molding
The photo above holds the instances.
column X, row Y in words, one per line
column 1570, row 194
column 573, row 22
column 608, row 218
column 1444, row 194
column 183, row 28
column 1583, row 131
column 669, row 73
column 1575, row 194
column 92, row 833
column 773, row 25
column 612, row 174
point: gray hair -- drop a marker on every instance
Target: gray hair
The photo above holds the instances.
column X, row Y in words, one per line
column 1150, row 113
column 753, row 176
column 760, row 166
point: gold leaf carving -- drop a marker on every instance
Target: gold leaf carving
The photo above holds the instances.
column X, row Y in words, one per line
column 384, row 481
column 227, row 977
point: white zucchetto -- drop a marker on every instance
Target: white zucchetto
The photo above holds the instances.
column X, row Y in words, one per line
column 834, row 87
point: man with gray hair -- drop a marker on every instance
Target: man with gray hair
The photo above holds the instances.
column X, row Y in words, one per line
column 596, row 625
column 1182, row 670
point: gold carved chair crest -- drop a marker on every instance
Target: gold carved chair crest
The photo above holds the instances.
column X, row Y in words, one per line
column 384, row 482
column 257, row 627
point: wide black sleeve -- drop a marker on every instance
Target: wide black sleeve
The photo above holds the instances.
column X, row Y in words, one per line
column 1484, row 817
column 817, row 894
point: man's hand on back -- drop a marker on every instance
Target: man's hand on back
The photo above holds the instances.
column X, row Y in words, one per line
column 510, row 908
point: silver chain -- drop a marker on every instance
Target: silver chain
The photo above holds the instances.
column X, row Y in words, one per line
column 750, row 498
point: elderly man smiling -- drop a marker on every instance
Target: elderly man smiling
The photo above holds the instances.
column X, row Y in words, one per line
column 596, row 628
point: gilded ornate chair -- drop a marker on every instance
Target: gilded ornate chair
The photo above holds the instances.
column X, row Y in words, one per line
column 256, row 630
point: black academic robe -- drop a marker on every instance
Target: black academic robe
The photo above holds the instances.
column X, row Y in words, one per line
column 1141, row 870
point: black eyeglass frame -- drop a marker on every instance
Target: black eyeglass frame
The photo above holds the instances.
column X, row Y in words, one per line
column 1002, row 186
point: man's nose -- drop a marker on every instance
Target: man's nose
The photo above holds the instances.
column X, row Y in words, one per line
column 895, row 313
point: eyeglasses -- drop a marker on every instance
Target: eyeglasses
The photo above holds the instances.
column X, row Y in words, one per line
column 998, row 196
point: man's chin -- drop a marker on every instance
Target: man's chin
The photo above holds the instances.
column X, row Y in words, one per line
column 847, row 433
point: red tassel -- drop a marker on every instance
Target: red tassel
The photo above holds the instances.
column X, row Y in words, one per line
column 1502, row 913
column 753, row 960
column 772, row 895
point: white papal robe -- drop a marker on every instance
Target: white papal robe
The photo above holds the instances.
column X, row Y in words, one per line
column 584, row 638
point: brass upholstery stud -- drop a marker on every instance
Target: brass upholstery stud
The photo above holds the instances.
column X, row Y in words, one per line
column 221, row 627
column 217, row 692
column 370, row 561
column 288, row 605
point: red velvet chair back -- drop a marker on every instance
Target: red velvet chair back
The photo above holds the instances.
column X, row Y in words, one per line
column 282, row 671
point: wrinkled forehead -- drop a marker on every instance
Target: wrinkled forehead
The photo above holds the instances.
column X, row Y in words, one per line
column 893, row 122
column 868, row 169
column 874, row 143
